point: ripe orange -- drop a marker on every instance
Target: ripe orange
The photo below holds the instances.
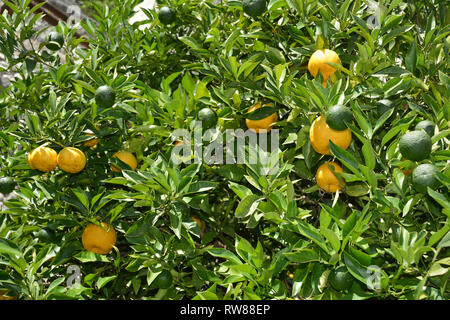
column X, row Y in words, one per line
column 71, row 160
column 178, row 143
column 126, row 157
column 43, row 159
column 99, row 239
column 326, row 179
column 30, row 164
column 320, row 134
column 262, row 124
column 91, row 143
column 319, row 61
column 199, row 222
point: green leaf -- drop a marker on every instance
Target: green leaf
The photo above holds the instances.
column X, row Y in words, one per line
column 206, row 296
column 311, row 233
column 411, row 57
column 202, row 186
column 445, row 242
column 435, row 237
column 101, row 282
column 369, row 155
column 240, row 190
column 402, row 124
column 302, row 256
column 441, row 199
column 333, row 238
column 82, row 197
column 231, row 172
column 9, row 247
column 244, row 249
column 247, row 206
column 349, row 224
column 362, row 120
column 353, row 266
column 193, row 43
column 260, row 113
column 223, row 253
column 348, row 160
column 87, row 256
column 383, row 119
column 176, row 217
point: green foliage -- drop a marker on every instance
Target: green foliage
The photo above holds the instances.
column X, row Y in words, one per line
column 263, row 218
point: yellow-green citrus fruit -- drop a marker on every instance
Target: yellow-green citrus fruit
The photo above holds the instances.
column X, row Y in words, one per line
column 254, row 8
column 320, row 134
column 338, row 116
column 319, row 61
column 71, row 160
column 43, row 159
column 91, row 143
column 166, row 15
column 427, row 126
column 423, row 176
column 415, row 145
column 7, row 185
column 163, row 280
column 261, row 125
column 99, row 239
column 126, row 157
column 105, row 96
column 208, row 118
column 326, row 179
column 340, row 279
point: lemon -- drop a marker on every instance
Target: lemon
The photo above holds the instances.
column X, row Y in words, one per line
column 126, row 157
column 71, row 160
column 43, row 159
column 319, row 61
column 320, row 134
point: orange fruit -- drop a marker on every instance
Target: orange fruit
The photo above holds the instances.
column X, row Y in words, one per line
column 126, row 157
column 43, row 159
column 319, row 61
column 199, row 222
column 71, row 160
column 178, row 143
column 320, row 134
column 30, row 164
column 99, row 239
column 91, row 143
column 326, row 179
column 406, row 172
column 261, row 124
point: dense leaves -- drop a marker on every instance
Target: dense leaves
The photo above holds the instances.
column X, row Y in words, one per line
column 264, row 220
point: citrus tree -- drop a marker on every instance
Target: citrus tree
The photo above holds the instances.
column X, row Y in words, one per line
column 353, row 204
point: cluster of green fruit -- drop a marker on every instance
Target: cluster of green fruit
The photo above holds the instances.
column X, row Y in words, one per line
column 416, row 146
